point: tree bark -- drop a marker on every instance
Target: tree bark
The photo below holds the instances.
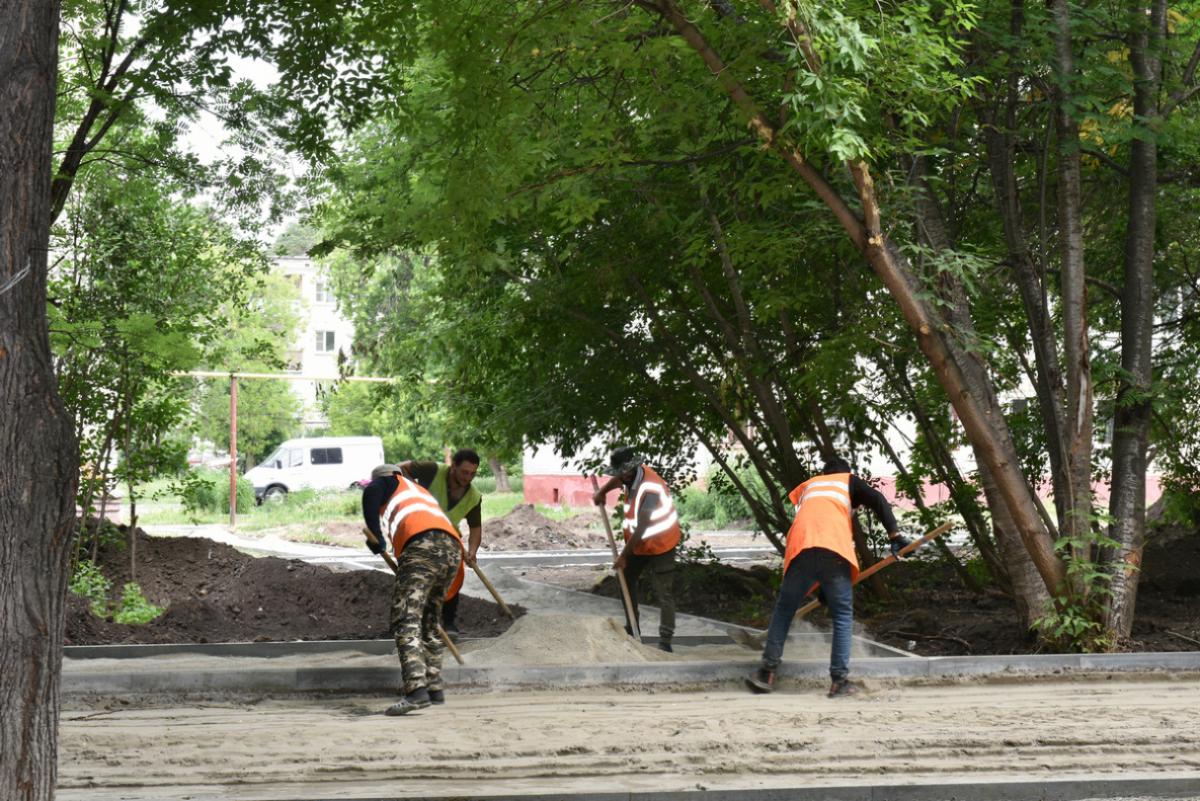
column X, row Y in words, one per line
column 500, row 473
column 1001, row 156
column 37, row 446
column 1076, row 348
column 1131, row 428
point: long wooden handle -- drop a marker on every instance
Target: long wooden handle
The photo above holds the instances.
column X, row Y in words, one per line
column 449, row 643
column 880, row 565
column 387, row 557
column 492, row 589
column 612, row 542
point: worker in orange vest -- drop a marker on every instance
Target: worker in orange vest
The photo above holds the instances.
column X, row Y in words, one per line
column 429, row 553
column 651, row 529
column 820, row 548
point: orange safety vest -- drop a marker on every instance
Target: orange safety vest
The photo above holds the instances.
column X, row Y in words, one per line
column 663, row 532
column 822, row 520
column 413, row 510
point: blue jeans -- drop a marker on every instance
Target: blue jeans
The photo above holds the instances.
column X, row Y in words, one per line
column 833, row 572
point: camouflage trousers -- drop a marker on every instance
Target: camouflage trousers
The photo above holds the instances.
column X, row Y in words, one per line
column 426, row 569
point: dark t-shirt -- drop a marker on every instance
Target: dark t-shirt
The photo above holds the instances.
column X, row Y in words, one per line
column 863, row 494
column 424, row 472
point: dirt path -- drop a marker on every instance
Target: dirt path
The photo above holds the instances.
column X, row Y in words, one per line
column 542, row 741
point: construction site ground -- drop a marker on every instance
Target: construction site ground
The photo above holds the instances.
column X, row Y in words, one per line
column 563, row 704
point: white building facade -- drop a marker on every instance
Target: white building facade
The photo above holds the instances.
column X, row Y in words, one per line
column 323, row 332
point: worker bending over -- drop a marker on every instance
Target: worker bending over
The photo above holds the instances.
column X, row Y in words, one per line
column 428, row 552
column 651, row 530
column 450, row 484
column 820, row 548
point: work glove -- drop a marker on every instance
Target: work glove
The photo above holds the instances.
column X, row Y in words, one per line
column 897, row 543
column 376, row 545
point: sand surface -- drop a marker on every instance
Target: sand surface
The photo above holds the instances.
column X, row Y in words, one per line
column 521, row 742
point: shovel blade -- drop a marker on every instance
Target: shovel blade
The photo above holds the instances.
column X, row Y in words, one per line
column 748, row 639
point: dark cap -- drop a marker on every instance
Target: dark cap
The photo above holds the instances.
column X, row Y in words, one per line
column 623, row 460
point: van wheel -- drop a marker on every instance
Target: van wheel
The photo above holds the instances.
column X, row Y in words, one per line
column 274, row 494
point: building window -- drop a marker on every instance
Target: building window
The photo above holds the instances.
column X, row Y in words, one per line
column 324, row 292
column 326, row 456
column 326, row 342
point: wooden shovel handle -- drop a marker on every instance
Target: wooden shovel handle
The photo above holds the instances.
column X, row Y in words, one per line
column 880, row 565
column 492, row 589
column 612, row 542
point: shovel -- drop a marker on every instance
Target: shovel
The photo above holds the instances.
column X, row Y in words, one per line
column 492, row 589
column 387, row 557
column 756, row 640
column 612, row 543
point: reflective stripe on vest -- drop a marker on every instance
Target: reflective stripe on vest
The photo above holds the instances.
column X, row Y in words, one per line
column 823, row 510
column 412, row 510
column 662, row 532
column 440, row 489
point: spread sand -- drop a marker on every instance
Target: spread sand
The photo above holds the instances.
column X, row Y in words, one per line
column 562, row 640
column 525, row 743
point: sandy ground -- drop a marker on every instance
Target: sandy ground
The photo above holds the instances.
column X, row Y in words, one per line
column 525, row 742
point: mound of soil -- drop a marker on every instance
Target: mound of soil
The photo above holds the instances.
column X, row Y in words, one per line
column 927, row 606
column 215, row 593
column 525, row 528
column 744, row 596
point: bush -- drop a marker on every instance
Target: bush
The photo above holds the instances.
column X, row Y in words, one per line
column 88, row 582
column 204, row 490
column 695, row 504
column 134, row 609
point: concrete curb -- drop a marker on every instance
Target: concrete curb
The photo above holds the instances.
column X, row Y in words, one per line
column 272, row 650
column 267, row 678
column 996, row 789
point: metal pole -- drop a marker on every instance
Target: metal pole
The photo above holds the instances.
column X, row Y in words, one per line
column 233, row 386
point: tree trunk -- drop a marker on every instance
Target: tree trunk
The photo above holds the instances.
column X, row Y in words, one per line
column 1028, row 590
column 1076, row 349
column 500, row 473
column 1131, row 428
column 37, row 447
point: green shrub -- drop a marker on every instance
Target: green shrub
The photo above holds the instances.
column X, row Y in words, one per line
column 134, row 609
column 696, row 504
column 88, row 582
column 204, row 490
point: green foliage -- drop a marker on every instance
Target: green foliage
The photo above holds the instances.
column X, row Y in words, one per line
column 202, row 490
column 257, row 336
column 89, row 582
column 133, row 608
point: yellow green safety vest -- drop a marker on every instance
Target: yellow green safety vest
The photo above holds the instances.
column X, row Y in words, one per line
column 440, row 489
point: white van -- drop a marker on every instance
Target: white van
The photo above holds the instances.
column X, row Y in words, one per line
column 315, row 463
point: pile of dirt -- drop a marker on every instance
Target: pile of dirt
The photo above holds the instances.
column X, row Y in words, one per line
column 527, row 529
column 563, row 640
column 720, row 591
column 929, row 611
column 928, row 606
column 215, row 593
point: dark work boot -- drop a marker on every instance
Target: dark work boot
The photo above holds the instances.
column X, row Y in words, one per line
column 761, row 681
column 665, row 645
column 843, row 688
column 417, row 699
column 437, row 696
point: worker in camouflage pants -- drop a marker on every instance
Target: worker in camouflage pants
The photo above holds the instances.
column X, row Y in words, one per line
column 428, row 547
column 426, row 571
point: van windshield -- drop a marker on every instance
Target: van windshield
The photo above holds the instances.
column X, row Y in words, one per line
column 269, row 462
